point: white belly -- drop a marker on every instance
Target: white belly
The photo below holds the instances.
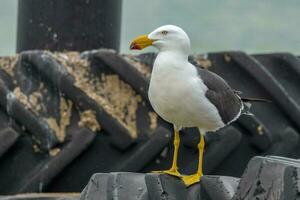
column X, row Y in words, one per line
column 179, row 98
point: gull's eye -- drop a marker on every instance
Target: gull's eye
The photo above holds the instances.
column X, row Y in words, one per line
column 164, row 32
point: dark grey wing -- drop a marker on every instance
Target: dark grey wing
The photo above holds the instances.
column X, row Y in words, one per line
column 221, row 95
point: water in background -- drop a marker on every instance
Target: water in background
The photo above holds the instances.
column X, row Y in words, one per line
column 213, row 25
column 8, row 27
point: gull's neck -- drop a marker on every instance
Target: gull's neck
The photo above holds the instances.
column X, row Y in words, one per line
column 178, row 55
column 173, row 62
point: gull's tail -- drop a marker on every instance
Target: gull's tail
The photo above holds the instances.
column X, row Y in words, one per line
column 249, row 99
column 247, row 103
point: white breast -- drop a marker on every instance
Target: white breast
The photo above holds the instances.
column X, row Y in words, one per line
column 177, row 94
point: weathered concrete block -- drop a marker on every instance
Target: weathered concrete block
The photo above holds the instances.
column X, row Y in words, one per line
column 116, row 186
column 165, row 187
column 266, row 178
column 270, row 178
column 218, row 187
column 124, row 186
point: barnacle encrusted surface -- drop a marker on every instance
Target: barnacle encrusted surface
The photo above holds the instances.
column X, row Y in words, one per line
column 8, row 64
column 114, row 95
column 88, row 120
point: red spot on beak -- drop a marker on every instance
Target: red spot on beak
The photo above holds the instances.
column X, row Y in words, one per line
column 135, row 46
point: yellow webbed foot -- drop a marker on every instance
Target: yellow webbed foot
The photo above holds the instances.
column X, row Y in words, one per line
column 191, row 179
column 172, row 172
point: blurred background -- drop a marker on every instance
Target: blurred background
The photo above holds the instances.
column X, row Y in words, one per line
column 251, row 26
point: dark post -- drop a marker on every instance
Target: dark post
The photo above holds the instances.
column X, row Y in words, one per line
column 68, row 24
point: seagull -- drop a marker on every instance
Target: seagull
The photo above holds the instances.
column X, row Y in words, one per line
column 186, row 96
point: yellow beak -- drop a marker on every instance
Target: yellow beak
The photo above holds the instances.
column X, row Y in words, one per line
column 141, row 42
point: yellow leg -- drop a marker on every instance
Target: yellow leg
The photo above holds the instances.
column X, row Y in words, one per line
column 195, row 178
column 174, row 169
